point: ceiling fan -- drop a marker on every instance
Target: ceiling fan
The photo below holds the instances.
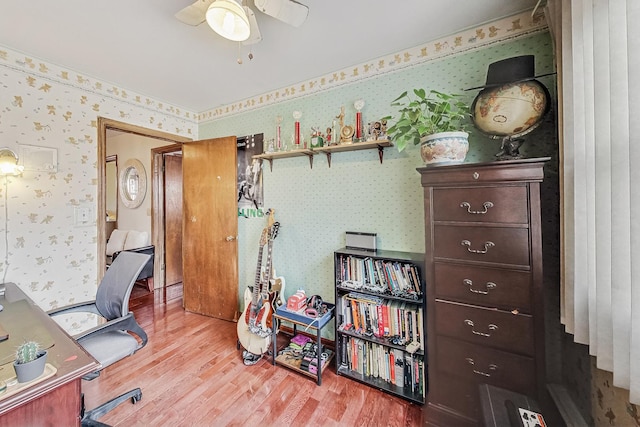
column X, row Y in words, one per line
column 227, row 14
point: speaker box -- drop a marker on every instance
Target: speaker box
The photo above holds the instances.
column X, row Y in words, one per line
column 364, row 241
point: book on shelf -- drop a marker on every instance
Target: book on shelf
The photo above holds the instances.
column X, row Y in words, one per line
column 399, row 367
column 390, row 365
column 395, row 276
column 400, row 277
column 413, row 274
column 380, row 317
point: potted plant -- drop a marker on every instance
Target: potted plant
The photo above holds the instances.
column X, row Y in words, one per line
column 434, row 120
column 30, row 361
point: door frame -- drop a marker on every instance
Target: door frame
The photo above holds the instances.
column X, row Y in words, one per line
column 157, row 214
column 157, row 206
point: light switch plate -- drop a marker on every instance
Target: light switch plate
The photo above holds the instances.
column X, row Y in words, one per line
column 83, row 215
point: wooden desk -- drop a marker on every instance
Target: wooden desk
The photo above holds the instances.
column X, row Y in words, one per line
column 55, row 401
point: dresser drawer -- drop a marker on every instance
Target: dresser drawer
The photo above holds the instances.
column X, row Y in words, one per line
column 485, row 365
column 501, row 172
column 481, row 204
column 493, row 328
column 490, row 287
column 484, row 244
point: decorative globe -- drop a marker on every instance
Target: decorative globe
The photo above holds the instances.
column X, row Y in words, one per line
column 509, row 112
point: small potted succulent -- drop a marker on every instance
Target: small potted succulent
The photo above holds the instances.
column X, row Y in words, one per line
column 30, row 361
column 435, row 121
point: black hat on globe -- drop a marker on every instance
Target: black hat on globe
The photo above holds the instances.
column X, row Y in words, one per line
column 511, row 70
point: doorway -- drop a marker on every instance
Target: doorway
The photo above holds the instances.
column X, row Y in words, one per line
column 209, row 202
column 174, row 143
column 167, row 207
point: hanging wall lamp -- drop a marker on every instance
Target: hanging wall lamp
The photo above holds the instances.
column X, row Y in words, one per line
column 8, row 166
column 9, row 163
column 228, row 18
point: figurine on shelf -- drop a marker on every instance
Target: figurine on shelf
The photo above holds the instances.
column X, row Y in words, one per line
column 270, row 146
column 383, row 129
column 346, row 134
column 340, row 118
column 343, row 133
column 378, row 130
column 329, row 141
column 317, row 139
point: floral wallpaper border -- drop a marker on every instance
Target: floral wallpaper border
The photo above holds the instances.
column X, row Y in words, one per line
column 53, row 74
column 493, row 32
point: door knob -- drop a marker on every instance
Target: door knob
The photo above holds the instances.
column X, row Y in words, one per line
column 231, row 238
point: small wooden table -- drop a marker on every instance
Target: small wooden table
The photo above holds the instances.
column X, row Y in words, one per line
column 54, row 401
column 308, row 323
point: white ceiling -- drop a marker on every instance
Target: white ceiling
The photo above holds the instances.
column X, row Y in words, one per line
column 138, row 45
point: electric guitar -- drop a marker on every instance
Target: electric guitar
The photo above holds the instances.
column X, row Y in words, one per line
column 272, row 287
column 254, row 331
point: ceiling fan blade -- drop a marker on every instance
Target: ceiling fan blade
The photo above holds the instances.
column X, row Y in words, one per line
column 194, row 14
column 288, row 11
column 254, row 35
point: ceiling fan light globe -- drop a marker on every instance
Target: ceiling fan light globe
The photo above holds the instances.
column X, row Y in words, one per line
column 228, row 18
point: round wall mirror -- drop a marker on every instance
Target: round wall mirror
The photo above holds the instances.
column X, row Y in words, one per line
column 133, row 183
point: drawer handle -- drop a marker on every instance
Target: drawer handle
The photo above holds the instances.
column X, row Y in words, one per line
column 487, row 245
column 469, row 283
column 492, row 367
column 485, row 205
column 491, row 327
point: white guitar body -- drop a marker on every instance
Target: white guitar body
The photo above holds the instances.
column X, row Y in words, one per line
column 254, row 342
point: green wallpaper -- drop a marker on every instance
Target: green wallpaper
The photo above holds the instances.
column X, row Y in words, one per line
column 315, row 206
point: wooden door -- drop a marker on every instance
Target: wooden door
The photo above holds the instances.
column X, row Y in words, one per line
column 173, row 218
column 210, row 227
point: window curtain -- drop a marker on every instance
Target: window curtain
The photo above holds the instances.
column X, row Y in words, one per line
column 597, row 45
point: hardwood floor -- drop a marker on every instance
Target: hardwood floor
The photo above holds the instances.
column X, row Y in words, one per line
column 191, row 374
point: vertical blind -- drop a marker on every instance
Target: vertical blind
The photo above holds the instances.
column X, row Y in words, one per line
column 597, row 45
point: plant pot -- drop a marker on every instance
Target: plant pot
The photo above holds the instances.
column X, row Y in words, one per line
column 444, row 147
column 31, row 370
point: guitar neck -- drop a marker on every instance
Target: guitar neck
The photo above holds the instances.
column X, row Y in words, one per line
column 256, row 286
column 267, row 270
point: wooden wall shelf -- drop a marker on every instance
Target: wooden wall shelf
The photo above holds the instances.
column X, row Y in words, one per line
column 368, row 145
column 284, row 154
column 327, row 150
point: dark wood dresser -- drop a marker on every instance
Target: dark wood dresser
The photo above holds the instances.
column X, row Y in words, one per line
column 483, row 272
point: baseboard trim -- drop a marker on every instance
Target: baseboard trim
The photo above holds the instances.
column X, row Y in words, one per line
column 567, row 408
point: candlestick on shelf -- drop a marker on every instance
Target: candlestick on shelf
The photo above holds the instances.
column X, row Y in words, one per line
column 335, row 138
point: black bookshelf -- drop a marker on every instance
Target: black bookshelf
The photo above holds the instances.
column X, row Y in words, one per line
column 371, row 347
